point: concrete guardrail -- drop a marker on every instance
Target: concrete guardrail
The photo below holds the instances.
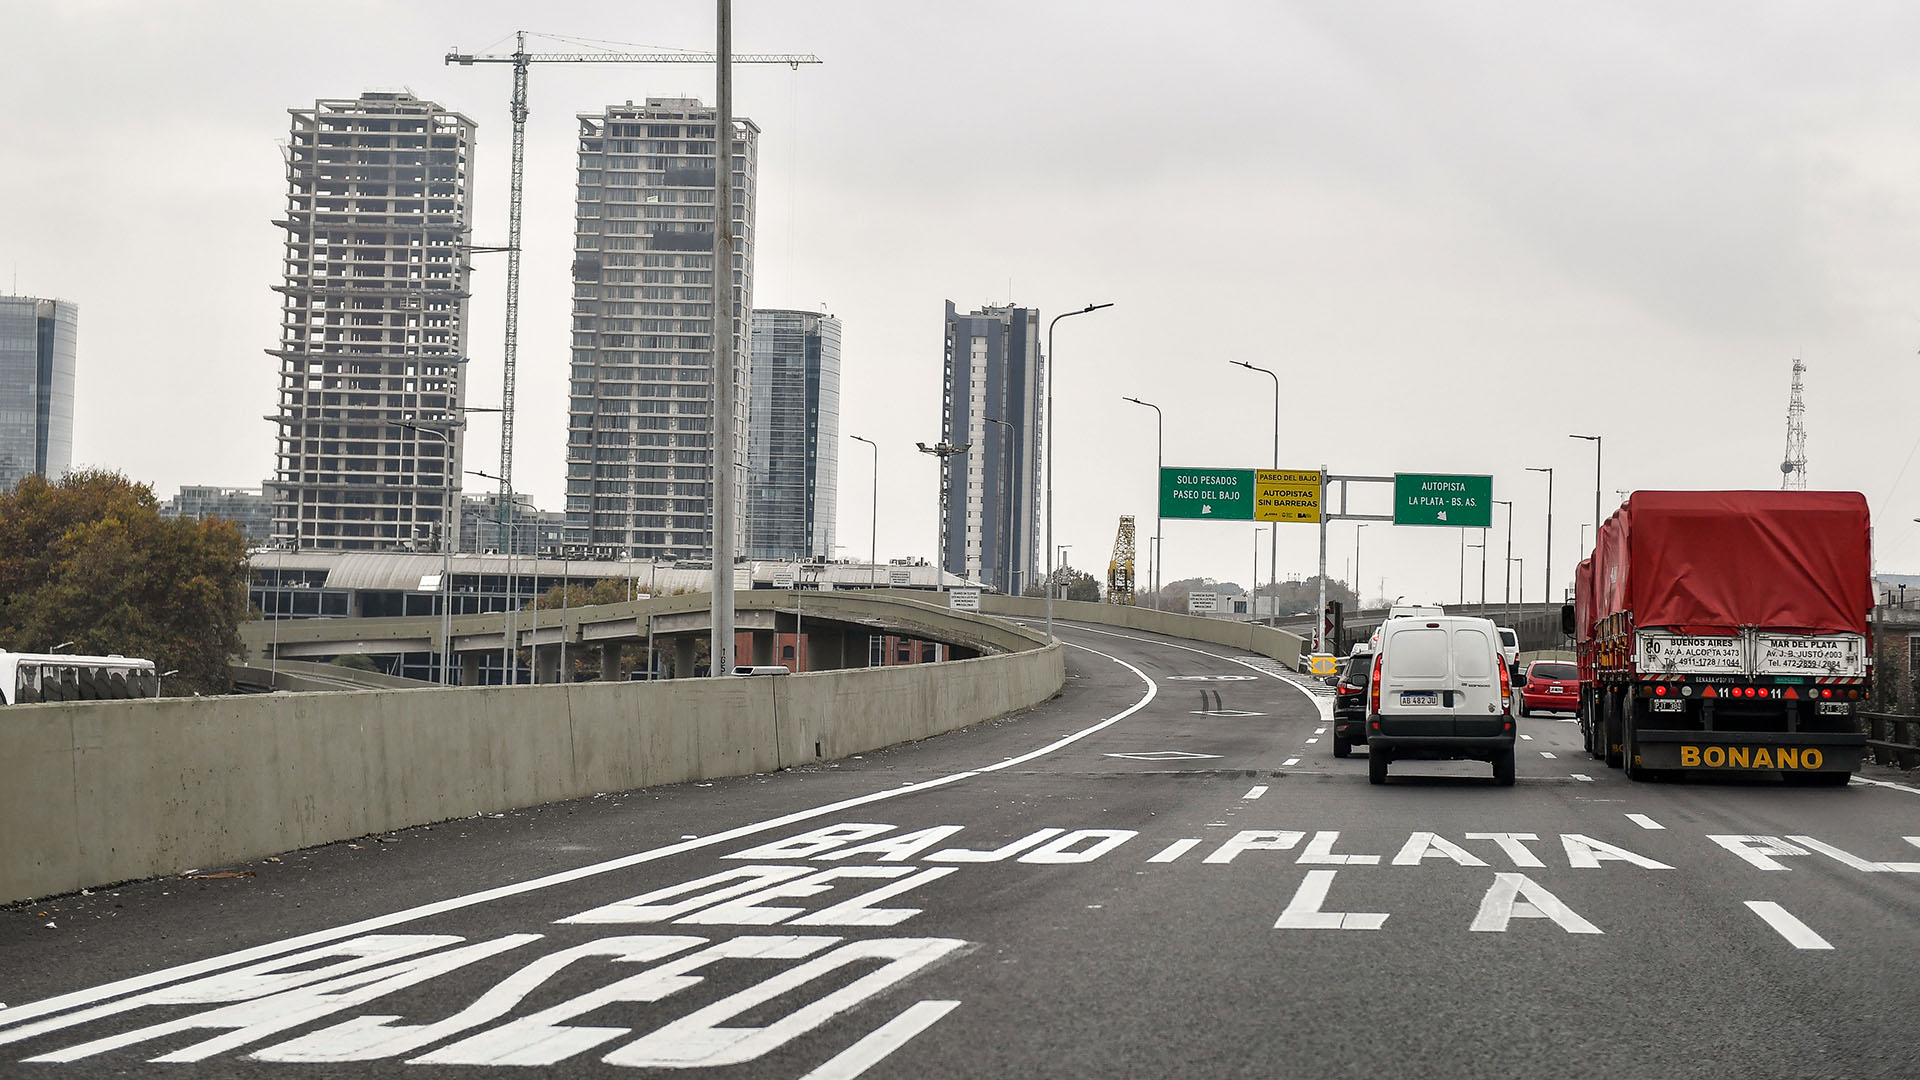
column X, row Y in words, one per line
column 98, row 792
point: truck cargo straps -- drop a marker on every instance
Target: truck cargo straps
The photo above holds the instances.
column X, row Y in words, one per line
column 1787, row 752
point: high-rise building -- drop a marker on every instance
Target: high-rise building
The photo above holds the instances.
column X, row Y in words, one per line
column 534, row 531
column 37, row 360
column 793, row 443
column 991, row 509
column 374, row 323
column 640, row 441
column 249, row 508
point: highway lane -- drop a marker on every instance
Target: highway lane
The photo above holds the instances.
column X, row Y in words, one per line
column 1161, row 872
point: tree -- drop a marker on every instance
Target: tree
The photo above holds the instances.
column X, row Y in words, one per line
column 1069, row 584
column 90, row 560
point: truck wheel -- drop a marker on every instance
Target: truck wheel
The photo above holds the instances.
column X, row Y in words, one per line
column 1341, row 747
column 1629, row 731
column 1610, row 733
column 1376, row 766
column 1503, row 768
column 1590, row 727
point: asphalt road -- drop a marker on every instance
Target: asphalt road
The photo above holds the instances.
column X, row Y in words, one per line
column 1162, row 872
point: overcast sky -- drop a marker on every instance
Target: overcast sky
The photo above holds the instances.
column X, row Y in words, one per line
column 1459, row 230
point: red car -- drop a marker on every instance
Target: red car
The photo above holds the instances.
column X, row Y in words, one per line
column 1552, row 686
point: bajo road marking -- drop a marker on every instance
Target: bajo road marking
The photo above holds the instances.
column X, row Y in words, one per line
column 15, row 1017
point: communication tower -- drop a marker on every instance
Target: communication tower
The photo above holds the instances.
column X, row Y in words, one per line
column 1120, row 570
column 1793, row 470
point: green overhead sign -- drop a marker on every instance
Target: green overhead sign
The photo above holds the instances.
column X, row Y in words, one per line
column 1435, row 499
column 1220, row 494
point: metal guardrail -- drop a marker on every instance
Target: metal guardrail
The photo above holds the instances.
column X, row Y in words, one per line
column 1893, row 740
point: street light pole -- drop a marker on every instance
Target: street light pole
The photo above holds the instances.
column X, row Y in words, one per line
column 1273, row 559
column 1006, row 519
column 1547, row 593
column 1159, row 463
column 1595, row 440
column 873, row 524
column 1506, row 568
column 446, row 543
column 1047, row 438
column 1359, row 601
column 942, row 451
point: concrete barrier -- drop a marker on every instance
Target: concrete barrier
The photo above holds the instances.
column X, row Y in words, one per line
column 1282, row 645
column 97, row 792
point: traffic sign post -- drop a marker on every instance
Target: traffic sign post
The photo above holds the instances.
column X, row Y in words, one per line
column 1438, row 499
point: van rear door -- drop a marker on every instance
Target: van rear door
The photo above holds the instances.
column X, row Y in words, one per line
column 1477, row 661
column 1416, row 681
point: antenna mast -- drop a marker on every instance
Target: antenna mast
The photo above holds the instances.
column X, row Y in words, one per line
column 1793, row 470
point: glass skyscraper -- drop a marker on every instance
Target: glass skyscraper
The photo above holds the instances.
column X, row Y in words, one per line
column 640, row 442
column 793, row 449
column 37, row 351
column 992, row 405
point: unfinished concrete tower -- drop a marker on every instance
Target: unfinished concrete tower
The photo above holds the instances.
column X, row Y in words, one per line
column 374, row 324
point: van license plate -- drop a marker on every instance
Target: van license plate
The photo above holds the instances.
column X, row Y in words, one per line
column 1422, row 698
column 1669, row 705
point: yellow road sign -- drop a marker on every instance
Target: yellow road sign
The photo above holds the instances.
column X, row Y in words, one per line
column 1286, row 495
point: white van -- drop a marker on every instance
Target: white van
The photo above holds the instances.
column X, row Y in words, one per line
column 1441, row 690
column 1509, row 646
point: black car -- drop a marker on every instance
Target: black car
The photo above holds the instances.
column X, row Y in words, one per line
column 1350, row 703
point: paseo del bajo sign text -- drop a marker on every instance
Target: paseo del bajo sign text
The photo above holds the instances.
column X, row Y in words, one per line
column 1240, row 494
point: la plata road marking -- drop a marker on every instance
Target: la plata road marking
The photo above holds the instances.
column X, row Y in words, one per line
column 1798, row 933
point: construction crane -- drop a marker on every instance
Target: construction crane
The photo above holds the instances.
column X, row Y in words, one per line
column 521, row 59
column 1793, row 470
column 1120, row 570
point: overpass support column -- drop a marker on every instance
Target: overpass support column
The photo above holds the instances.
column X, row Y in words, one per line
column 683, row 650
column 763, row 647
column 610, row 662
column 826, row 652
column 546, row 659
column 469, row 668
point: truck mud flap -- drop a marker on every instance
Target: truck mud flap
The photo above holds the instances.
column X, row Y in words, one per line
column 1746, row 751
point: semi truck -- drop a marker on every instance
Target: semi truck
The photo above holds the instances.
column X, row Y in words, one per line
column 1726, row 631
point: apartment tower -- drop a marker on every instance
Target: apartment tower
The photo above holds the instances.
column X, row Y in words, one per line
column 991, row 504
column 374, row 324
column 37, row 362
column 793, row 444
column 640, row 450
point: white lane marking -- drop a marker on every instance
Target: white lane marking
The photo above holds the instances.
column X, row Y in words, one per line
column 1174, row 851
column 1883, row 783
column 1163, row 755
column 1529, row 738
column 22, row 1013
column 1255, row 791
column 881, row 1041
column 1290, row 761
column 1644, row 821
column 1798, row 933
column 1546, row 753
column 1583, row 776
column 1319, row 731
column 1322, row 703
column 1310, row 742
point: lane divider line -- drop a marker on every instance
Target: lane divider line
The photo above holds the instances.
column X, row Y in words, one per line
column 1255, row 791
column 1645, row 822
column 881, row 1041
column 19, row 1014
column 1799, row 934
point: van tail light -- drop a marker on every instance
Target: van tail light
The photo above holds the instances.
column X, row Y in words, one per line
column 1506, row 686
column 1374, row 694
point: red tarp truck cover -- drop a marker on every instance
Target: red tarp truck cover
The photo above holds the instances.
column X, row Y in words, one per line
column 1710, row 562
column 1583, row 613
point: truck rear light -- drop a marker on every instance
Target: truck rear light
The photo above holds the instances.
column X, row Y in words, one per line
column 1826, row 693
column 1660, row 691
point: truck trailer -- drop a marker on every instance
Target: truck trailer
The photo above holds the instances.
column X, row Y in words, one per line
column 1726, row 631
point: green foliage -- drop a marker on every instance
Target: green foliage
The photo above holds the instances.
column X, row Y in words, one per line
column 355, row 662
column 90, row 560
column 1069, row 584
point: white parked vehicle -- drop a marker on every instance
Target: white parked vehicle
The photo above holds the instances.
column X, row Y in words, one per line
column 1509, row 646
column 1441, row 690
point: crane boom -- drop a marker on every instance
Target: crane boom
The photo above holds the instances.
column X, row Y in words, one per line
column 469, row 59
